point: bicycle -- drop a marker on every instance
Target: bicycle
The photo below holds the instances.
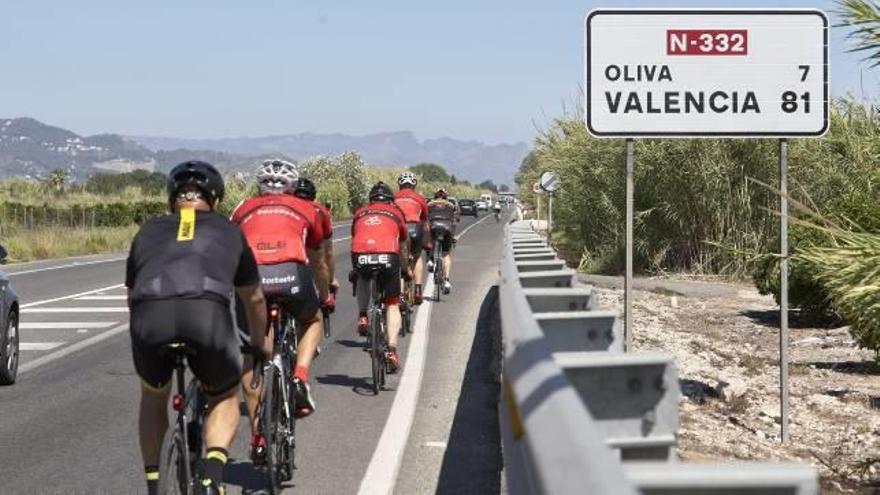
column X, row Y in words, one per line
column 276, row 421
column 377, row 341
column 437, row 255
column 406, row 308
column 182, row 444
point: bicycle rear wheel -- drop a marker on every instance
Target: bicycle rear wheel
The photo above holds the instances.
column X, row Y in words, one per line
column 377, row 354
column 175, row 477
column 268, row 425
column 438, row 273
column 326, row 324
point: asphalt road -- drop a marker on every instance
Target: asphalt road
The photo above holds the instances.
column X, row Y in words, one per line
column 69, row 424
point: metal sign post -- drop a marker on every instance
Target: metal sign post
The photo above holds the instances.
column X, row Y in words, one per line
column 628, row 280
column 537, row 190
column 550, row 183
column 783, row 289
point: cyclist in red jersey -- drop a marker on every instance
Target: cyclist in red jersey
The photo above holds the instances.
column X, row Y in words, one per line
column 380, row 229
column 306, row 190
column 415, row 212
column 286, row 238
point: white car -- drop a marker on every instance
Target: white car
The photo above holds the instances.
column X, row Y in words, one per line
column 482, row 205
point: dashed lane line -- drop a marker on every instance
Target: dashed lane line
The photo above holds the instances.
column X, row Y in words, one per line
column 71, row 296
column 117, row 297
column 64, row 325
column 82, row 344
column 39, row 346
column 41, row 310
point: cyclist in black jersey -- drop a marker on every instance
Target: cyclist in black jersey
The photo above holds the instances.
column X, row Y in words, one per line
column 181, row 273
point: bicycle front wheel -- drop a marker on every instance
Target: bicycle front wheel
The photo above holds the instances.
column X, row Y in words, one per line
column 175, row 477
column 438, row 273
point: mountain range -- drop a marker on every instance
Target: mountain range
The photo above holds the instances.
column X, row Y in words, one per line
column 31, row 148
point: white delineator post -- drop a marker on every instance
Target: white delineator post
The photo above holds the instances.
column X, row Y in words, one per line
column 783, row 289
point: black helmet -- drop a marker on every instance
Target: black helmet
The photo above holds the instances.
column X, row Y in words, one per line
column 305, row 189
column 200, row 174
column 381, row 192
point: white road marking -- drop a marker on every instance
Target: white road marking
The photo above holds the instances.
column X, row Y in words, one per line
column 469, row 227
column 119, row 297
column 74, row 310
column 60, row 353
column 72, row 296
column 82, row 330
column 38, row 346
column 64, row 325
column 381, row 474
column 69, row 265
column 437, row 445
column 341, row 239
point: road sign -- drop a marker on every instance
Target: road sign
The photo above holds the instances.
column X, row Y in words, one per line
column 706, row 73
column 549, row 182
column 537, row 188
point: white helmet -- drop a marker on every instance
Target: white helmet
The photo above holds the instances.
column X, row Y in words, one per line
column 407, row 178
column 276, row 177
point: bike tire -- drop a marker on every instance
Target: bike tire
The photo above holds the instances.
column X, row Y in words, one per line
column 326, row 325
column 438, row 273
column 376, row 356
column 175, row 477
column 268, row 425
column 286, row 419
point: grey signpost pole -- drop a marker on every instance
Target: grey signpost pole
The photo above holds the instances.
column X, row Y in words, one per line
column 783, row 289
column 627, row 288
column 549, row 216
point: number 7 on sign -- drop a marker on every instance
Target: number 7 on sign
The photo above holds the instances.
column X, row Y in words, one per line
column 806, row 72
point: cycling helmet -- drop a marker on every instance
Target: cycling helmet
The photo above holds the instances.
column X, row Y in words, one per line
column 381, row 192
column 305, row 189
column 407, row 179
column 203, row 175
column 441, row 193
column 276, row 177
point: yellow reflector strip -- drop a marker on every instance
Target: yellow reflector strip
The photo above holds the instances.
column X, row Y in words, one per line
column 152, row 475
column 515, row 421
column 186, row 231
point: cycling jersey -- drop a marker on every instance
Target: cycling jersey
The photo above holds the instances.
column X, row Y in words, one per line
column 441, row 209
column 413, row 205
column 189, row 255
column 378, row 228
column 279, row 227
column 324, row 219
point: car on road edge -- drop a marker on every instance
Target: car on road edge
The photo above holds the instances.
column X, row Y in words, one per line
column 9, row 336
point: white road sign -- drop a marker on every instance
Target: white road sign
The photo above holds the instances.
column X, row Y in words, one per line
column 537, row 188
column 706, row 73
column 549, row 182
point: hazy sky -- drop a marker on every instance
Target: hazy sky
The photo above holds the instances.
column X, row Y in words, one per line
column 491, row 70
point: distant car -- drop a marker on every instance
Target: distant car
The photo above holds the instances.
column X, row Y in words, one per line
column 467, row 207
column 9, row 338
column 482, row 205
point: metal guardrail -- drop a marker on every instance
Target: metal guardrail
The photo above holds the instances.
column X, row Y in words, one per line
column 577, row 414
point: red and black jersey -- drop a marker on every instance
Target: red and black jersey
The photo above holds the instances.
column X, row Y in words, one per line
column 413, row 205
column 378, row 228
column 279, row 228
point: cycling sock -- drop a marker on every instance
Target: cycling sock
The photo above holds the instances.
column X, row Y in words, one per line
column 302, row 373
column 152, row 474
column 215, row 459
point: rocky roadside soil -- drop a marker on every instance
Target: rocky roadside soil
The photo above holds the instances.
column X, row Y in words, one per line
column 726, row 348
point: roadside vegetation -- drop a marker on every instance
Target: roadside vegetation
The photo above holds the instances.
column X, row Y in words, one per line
column 55, row 218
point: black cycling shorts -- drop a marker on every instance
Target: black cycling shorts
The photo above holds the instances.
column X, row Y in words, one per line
column 203, row 325
column 416, row 238
column 387, row 268
column 289, row 285
column 444, row 228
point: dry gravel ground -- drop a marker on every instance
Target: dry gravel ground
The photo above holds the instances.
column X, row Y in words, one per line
column 726, row 346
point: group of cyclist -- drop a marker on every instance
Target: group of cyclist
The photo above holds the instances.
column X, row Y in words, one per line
column 204, row 281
